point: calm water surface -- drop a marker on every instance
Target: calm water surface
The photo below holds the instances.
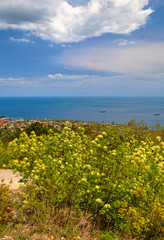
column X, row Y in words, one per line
column 96, row 109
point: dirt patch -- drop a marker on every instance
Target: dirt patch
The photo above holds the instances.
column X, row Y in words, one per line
column 9, row 178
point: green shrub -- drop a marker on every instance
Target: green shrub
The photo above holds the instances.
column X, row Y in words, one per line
column 116, row 178
column 5, row 205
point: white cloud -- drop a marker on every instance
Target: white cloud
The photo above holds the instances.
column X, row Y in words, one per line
column 65, row 45
column 138, row 59
column 23, row 40
column 55, row 76
column 46, row 81
column 59, row 21
column 147, row 85
column 19, row 40
column 10, row 81
column 123, row 42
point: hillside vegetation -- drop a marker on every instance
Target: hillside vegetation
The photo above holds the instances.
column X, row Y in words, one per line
column 92, row 181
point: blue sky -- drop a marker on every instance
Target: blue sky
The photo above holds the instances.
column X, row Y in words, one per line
column 81, row 48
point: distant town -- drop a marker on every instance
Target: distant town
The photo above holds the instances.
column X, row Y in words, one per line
column 11, row 124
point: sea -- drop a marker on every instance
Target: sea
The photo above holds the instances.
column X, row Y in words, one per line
column 95, row 109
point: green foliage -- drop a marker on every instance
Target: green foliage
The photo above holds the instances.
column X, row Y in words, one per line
column 7, row 136
column 3, row 155
column 37, row 127
column 108, row 235
column 111, row 174
column 5, row 205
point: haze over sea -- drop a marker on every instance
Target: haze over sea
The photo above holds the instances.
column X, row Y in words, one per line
column 95, row 109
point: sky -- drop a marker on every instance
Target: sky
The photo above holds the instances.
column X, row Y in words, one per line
column 82, row 48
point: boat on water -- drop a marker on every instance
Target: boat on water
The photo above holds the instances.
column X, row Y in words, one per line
column 102, row 111
column 156, row 114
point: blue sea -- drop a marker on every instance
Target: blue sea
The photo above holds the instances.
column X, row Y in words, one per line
column 94, row 109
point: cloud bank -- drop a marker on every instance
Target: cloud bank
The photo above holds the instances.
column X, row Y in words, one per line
column 119, row 85
column 131, row 58
column 61, row 21
column 51, row 80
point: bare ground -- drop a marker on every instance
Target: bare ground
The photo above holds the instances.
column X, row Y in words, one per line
column 9, row 178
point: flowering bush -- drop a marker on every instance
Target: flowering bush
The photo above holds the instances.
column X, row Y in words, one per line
column 115, row 177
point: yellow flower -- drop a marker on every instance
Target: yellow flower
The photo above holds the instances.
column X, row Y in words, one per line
column 84, row 179
column 98, row 145
column 158, row 138
column 104, row 133
column 98, row 200
column 107, row 206
column 105, row 148
column 100, row 136
column 160, row 158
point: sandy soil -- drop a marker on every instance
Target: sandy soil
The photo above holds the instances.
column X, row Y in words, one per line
column 9, row 178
